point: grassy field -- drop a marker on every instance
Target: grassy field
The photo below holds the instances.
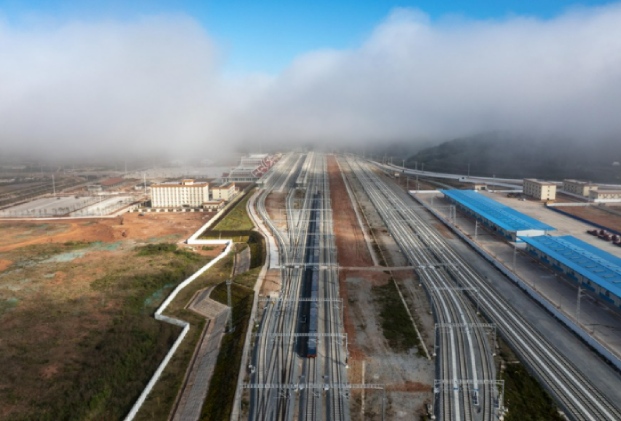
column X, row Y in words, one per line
column 160, row 401
column 222, row 387
column 236, row 219
column 396, row 324
column 110, row 342
column 219, row 402
column 526, row 399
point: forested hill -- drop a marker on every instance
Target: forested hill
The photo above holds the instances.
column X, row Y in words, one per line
column 516, row 157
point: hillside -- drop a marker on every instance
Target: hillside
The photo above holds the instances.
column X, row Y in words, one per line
column 512, row 156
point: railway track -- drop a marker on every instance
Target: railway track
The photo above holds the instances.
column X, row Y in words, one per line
column 285, row 383
column 464, row 354
column 572, row 389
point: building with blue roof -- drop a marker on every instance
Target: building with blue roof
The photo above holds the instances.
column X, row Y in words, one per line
column 589, row 266
column 508, row 222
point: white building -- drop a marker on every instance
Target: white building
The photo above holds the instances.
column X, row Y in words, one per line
column 605, row 196
column 581, row 188
column 186, row 193
column 224, row 192
column 542, row 190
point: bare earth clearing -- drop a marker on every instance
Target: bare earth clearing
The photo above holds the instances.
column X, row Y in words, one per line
column 597, row 215
column 50, row 312
column 408, row 377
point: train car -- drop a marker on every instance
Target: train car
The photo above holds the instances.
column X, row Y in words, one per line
column 313, row 319
column 311, row 349
column 313, row 297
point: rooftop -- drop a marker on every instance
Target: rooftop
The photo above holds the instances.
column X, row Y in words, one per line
column 501, row 215
column 595, row 264
column 176, row 184
column 541, row 182
column 579, row 182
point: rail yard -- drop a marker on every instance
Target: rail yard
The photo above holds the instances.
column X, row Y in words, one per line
column 299, row 363
column 375, row 302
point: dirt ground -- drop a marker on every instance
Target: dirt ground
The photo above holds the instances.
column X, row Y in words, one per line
column 597, row 215
column 407, row 377
column 272, row 283
column 47, row 304
column 275, row 206
column 151, row 227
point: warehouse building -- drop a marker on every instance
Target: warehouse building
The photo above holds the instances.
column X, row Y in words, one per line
column 186, row 193
column 224, row 192
column 507, row 222
column 588, row 266
column 580, row 188
column 541, row 190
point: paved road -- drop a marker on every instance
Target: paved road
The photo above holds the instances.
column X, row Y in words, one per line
column 196, row 386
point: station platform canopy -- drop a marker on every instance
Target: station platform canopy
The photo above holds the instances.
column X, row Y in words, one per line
column 503, row 216
column 591, row 262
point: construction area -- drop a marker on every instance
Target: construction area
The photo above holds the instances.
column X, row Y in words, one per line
column 75, row 293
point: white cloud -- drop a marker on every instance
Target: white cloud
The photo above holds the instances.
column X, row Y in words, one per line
column 106, row 87
column 155, row 83
column 412, row 79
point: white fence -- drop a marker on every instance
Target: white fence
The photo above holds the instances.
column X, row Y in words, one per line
column 181, row 323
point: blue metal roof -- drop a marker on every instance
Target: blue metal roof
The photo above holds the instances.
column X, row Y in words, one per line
column 501, row 215
column 595, row 264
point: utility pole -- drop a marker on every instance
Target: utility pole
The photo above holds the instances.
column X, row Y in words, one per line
column 514, row 254
column 230, row 302
column 53, row 185
column 476, row 229
column 578, row 304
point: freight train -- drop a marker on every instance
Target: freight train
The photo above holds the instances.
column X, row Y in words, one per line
column 311, row 278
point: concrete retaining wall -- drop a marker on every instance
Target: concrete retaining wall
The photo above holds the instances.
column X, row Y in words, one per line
column 185, row 325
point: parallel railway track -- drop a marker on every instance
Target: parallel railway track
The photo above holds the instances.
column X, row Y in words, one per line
column 572, row 389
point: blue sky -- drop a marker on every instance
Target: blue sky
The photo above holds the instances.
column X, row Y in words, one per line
column 265, row 36
column 91, row 76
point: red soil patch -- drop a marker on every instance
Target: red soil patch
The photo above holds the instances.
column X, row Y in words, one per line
column 350, row 243
column 4, row 264
column 409, row 387
column 596, row 215
column 130, row 226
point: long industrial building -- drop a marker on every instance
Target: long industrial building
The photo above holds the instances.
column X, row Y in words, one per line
column 507, row 222
column 592, row 268
column 187, row 193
